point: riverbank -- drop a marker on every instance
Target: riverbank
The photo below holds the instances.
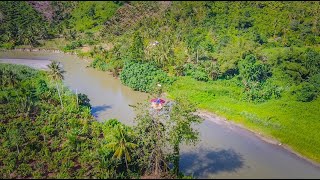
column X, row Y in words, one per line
column 285, row 119
column 37, row 64
column 232, row 125
column 245, row 119
column 44, row 50
column 222, row 152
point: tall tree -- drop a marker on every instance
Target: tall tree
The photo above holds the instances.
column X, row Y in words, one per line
column 137, row 48
column 121, row 145
column 56, row 74
column 151, row 141
column 181, row 118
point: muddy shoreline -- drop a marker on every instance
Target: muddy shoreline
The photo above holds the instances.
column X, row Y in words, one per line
column 37, row 64
column 235, row 126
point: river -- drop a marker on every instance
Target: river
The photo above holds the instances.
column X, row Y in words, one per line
column 224, row 151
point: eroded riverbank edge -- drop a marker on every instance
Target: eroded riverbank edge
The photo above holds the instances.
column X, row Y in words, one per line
column 214, row 118
column 206, row 115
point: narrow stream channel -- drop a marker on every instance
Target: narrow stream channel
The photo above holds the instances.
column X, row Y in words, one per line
column 222, row 152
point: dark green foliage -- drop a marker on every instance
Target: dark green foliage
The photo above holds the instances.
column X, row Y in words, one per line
column 195, row 71
column 160, row 134
column 252, row 70
column 312, row 61
column 253, row 75
column 84, row 100
column 143, row 76
column 309, row 90
column 182, row 118
column 214, row 37
column 306, row 92
column 40, row 140
column 200, row 75
column 21, row 25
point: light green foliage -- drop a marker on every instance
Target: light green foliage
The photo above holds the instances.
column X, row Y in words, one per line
column 56, row 71
column 143, row 76
column 122, row 143
column 90, row 15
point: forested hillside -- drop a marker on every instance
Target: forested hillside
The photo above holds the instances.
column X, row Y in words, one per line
column 256, row 63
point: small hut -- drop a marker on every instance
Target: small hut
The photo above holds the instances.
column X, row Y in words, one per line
column 157, row 103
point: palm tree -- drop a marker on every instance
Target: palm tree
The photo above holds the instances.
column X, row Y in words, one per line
column 15, row 138
column 56, row 74
column 122, row 146
column 12, row 78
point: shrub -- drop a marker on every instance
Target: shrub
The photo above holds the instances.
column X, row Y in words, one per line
column 306, row 92
column 99, row 63
column 200, row 75
column 8, row 45
column 195, row 72
column 143, row 76
column 252, row 70
column 72, row 46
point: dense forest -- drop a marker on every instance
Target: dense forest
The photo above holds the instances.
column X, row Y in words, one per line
column 256, row 63
column 48, row 132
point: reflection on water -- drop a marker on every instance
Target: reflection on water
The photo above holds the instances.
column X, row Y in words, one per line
column 96, row 110
column 205, row 161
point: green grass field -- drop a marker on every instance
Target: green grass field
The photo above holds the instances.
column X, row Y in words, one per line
column 293, row 123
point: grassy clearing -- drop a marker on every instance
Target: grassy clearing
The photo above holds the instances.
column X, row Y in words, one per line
column 293, row 123
column 57, row 43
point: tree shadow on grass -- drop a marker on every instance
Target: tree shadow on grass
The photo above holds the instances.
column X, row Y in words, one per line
column 204, row 162
column 96, row 110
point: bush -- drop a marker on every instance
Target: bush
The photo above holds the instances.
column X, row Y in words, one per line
column 262, row 92
column 8, row 45
column 200, row 75
column 196, row 72
column 143, row 76
column 72, row 46
column 306, row 92
column 252, row 70
column 99, row 63
column 84, row 100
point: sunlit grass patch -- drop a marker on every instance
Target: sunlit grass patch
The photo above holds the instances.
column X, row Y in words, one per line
column 293, row 123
